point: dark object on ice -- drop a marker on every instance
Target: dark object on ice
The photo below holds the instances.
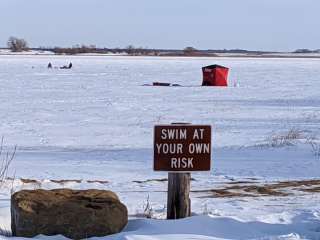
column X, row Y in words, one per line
column 67, row 67
column 50, row 65
column 76, row 214
column 215, row 75
column 161, row 84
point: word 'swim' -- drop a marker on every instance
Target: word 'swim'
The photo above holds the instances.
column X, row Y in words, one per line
column 180, row 134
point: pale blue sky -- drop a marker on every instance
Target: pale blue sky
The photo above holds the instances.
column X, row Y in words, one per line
column 206, row 24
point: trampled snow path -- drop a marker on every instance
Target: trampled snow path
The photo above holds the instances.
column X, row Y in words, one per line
column 95, row 122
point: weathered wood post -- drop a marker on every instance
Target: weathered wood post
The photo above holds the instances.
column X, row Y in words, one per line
column 178, row 203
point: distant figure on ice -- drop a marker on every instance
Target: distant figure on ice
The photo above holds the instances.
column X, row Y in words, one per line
column 67, row 67
column 49, row 65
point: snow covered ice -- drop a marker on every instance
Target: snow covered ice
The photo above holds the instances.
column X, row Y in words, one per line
column 94, row 124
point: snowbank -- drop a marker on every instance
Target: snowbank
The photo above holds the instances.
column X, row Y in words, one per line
column 303, row 226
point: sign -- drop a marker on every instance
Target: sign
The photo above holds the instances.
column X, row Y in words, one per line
column 182, row 148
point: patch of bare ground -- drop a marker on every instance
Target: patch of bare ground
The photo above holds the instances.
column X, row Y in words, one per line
column 241, row 182
column 98, row 181
column 64, row 181
column 310, row 190
column 151, row 180
column 234, row 189
column 27, row 181
column 264, row 191
column 220, row 193
column 298, row 183
column 254, row 189
column 155, row 180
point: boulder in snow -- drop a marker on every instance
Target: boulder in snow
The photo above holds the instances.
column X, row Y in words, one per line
column 73, row 213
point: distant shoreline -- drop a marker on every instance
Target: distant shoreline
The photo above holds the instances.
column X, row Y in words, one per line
column 217, row 55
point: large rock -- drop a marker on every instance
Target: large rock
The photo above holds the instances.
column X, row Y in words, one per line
column 74, row 214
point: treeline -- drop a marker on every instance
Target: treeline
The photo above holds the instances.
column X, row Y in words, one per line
column 19, row 44
column 304, row 50
column 92, row 49
column 130, row 50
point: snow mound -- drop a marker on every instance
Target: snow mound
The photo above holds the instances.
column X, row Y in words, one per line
column 302, row 226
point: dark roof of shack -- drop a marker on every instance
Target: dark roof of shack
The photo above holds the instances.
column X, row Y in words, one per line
column 215, row 66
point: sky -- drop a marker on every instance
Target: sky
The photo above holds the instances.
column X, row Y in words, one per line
column 272, row 25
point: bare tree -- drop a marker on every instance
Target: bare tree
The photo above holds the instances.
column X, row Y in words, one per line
column 17, row 44
column 130, row 50
column 189, row 51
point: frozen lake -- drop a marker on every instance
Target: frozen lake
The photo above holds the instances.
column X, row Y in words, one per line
column 101, row 103
column 99, row 116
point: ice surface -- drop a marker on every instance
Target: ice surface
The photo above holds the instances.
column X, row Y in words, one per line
column 101, row 102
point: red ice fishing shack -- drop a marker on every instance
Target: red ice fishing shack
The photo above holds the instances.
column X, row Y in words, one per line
column 215, row 75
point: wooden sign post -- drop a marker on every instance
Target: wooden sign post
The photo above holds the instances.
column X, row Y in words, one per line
column 178, row 201
column 180, row 149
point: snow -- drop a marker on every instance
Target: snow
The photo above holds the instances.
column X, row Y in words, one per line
column 29, row 52
column 95, row 122
column 302, row 226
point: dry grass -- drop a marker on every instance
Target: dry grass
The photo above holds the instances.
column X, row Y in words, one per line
column 147, row 208
column 284, row 139
column 315, row 145
column 5, row 160
column 253, row 189
column 5, row 232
